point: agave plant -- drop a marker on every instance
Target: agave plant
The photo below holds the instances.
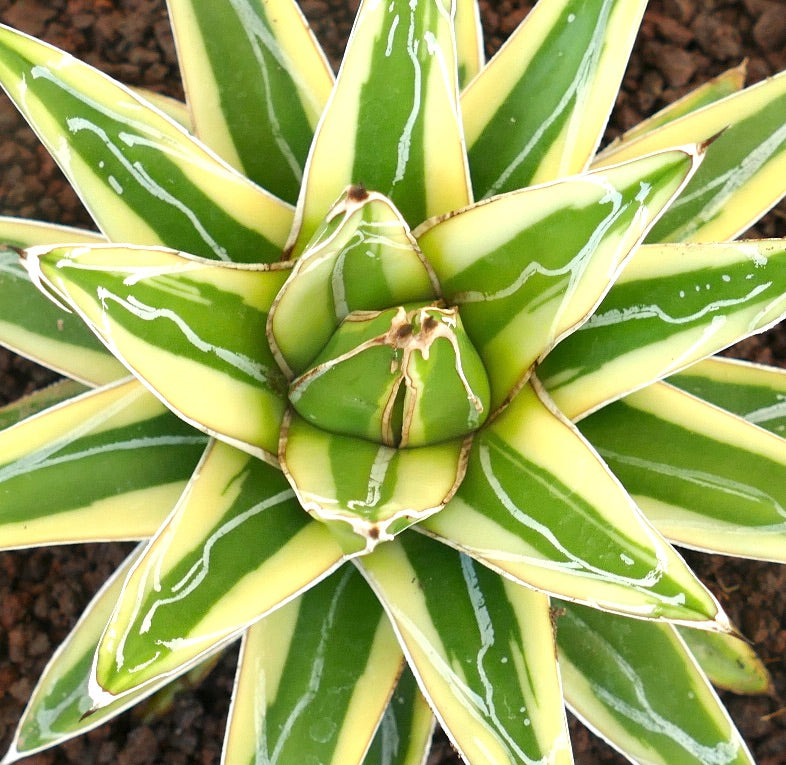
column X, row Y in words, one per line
column 401, row 382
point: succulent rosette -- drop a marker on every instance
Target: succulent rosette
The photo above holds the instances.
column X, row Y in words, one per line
column 402, row 382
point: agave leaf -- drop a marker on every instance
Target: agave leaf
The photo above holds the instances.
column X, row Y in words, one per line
column 672, row 305
column 363, row 257
column 286, row 79
column 740, row 179
column 752, row 391
column 725, row 84
column 36, row 402
column 613, row 670
column 21, row 233
column 315, row 677
column 58, row 707
column 32, row 326
column 484, row 656
column 530, row 467
column 538, row 110
column 405, row 142
column 172, row 107
column 236, row 547
column 365, row 491
column 141, row 176
column 469, row 40
column 527, row 267
column 705, row 478
column 404, row 733
column 191, row 329
column 109, row 464
column 728, row 661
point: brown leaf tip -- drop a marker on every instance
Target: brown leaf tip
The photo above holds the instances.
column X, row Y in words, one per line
column 357, row 192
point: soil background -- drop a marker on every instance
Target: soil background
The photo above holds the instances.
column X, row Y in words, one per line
column 42, row 592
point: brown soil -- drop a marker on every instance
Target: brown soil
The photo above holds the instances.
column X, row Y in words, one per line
column 683, row 42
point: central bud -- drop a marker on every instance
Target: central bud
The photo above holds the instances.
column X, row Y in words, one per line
column 404, row 377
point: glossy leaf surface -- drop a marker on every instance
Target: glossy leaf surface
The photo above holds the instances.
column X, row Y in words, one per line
column 538, row 110
column 741, row 177
column 704, row 478
column 483, row 656
column 400, row 63
column 555, row 518
column 671, row 306
column 171, row 317
column 613, row 670
column 755, row 392
column 236, row 546
column 109, row 464
column 527, row 267
column 368, row 492
column 362, row 258
column 286, row 81
column 141, row 176
column 305, row 696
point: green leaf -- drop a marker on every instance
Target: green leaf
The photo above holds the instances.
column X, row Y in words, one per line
column 31, row 325
column 266, row 45
column 705, row 478
column 755, row 392
column 58, row 708
column 538, row 110
column 109, row 464
column 192, row 329
column 484, row 657
column 367, row 492
column 728, row 661
column 236, row 546
column 404, row 733
column 314, row 679
column 141, row 176
column 404, row 140
column 672, row 305
column 362, row 257
column 537, row 504
column 613, row 670
column 740, row 179
column 527, row 267
column 725, row 84
column 422, row 381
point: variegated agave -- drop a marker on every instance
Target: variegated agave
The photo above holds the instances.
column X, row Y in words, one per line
column 416, row 304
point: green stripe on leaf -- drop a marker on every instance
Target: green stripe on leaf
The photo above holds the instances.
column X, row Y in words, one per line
column 236, row 546
column 483, row 656
column 109, row 464
column 538, row 110
column 672, row 305
column 539, row 505
column 286, row 82
column 705, row 478
column 142, row 177
column 315, row 677
column 169, row 316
